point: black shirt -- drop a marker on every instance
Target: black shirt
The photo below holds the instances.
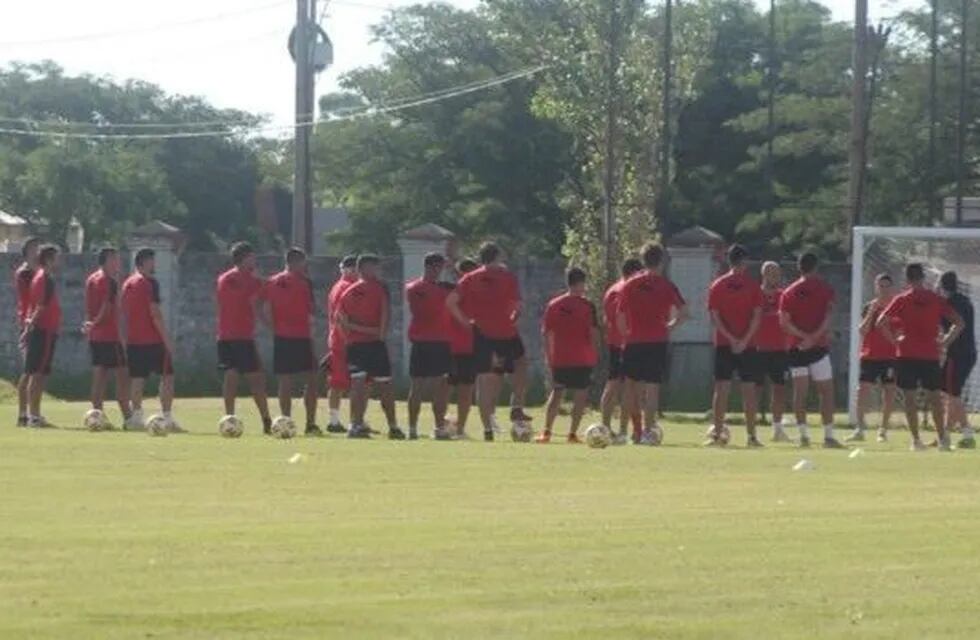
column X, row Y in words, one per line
column 965, row 344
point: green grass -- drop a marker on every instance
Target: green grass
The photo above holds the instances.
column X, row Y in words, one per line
column 119, row 535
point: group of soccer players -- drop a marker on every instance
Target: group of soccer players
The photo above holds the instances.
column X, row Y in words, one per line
column 464, row 336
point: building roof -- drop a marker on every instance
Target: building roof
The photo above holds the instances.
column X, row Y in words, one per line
column 428, row 231
column 10, row 220
column 696, row 236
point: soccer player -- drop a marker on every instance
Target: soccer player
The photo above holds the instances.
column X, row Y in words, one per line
column 40, row 334
column 489, row 299
column 338, row 377
column 571, row 332
column 238, row 292
column 806, row 310
column 735, row 305
column 614, row 392
column 918, row 314
column 148, row 347
column 770, row 342
column 650, row 307
column 22, row 285
column 364, row 313
column 463, row 373
column 961, row 357
column 102, row 328
column 289, row 297
column 431, row 357
column 877, row 361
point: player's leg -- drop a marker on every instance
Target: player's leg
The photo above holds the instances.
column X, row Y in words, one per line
column 40, row 353
column 122, row 389
column 487, row 383
column 607, row 403
column 651, row 404
column 935, row 402
column 464, row 402
column 724, row 368
column 552, row 407
column 358, row 405
column 256, row 384
column 801, row 386
column 823, row 377
column 580, row 399
column 229, row 389
column 907, row 380
column 888, row 392
column 22, row 399
column 517, row 366
column 285, row 394
column 440, row 404
column 99, row 379
column 167, row 393
column 863, row 398
column 311, row 397
column 416, row 391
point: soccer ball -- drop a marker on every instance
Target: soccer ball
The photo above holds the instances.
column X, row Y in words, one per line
column 656, row 436
column 723, row 436
column 597, row 436
column 283, row 428
column 158, row 425
column 231, row 427
column 521, row 432
column 94, row 420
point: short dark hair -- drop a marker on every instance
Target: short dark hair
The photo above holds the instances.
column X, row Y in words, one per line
column 881, row 277
column 737, row 254
column 466, row 265
column 349, row 262
column 808, row 262
column 653, row 255
column 366, row 259
column 631, row 266
column 915, row 272
column 575, row 276
column 434, row 260
column 28, row 243
column 294, row 255
column 143, row 255
column 240, row 251
column 949, row 281
column 489, row 251
column 104, row 254
column 47, row 254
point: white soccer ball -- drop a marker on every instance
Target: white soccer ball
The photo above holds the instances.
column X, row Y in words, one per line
column 723, row 437
column 656, row 436
column 158, row 425
column 598, row 436
column 95, row 420
column 283, row 428
column 231, row 427
column 521, row 432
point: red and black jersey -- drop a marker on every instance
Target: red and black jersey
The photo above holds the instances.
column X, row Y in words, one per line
column 610, row 303
column 237, row 292
column 364, row 303
column 771, row 336
column 874, row 345
column 571, row 320
column 490, row 295
column 102, row 290
column 290, row 297
column 807, row 302
column 139, row 294
column 919, row 314
column 647, row 300
column 430, row 315
column 44, row 297
column 735, row 297
column 336, row 335
column 22, row 285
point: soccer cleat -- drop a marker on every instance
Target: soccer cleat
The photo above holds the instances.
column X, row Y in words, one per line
column 882, row 435
column 336, row 427
column 967, row 443
column 573, row 439
column 441, row 434
column 778, row 435
column 753, row 443
column 267, row 426
column 543, row 438
column 804, row 442
column 619, row 439
column 21, row 421
column 934, row 443
column 918, row 446
column 488, row 435
column 394, row 433
column 944, row 445
column 832, row 443
column 174, row 427
column 517, row 415
column 313, row 431
column 358, row 433
column 649, row 438
column 135, row 420
column 712, row 440
column 856, row 436
column 35, row 422
column 413, row 433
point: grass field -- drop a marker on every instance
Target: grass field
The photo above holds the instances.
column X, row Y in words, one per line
column 119, row 535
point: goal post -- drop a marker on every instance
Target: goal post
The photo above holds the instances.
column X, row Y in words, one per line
column 888, row 250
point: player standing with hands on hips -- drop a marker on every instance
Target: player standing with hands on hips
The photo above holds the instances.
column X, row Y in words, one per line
column 961, row 357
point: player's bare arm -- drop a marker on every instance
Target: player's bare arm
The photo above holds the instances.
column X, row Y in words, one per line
column 99, row 317
column 349, row 325
column 824, row 328
column 955, row 329
column 789, row 327
column 679, row 315
column 883, row 326
column 622, row 324
column 868, row 321
column 452, row 301
column 156, row 315
column 722, row 329
column 753, row 327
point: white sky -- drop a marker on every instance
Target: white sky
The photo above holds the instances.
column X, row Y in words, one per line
column 238, row 60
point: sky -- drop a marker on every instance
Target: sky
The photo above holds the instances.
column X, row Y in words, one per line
column 232, row 52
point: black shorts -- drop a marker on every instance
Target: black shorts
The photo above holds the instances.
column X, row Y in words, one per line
column 40, row 351
column 878, row 371
column 745, row 363
column 957, row 370
column 463, row 370
column 430, row 359
column 496, row 355
column 238, row 355
column 800, row 359
column 574, row 378
column 772, row 365
column 369, row 359
column 292, row 355
column 914, row 373
column 144, row 359
column 616, row 363
column 109, row 355
column 645, row 362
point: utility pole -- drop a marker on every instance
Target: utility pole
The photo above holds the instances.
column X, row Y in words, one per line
column 858, row 104
column 934, row 212
column 771, row 116
column 664, row 213
column 302, row 187
column 609, row 175
column 961, row 124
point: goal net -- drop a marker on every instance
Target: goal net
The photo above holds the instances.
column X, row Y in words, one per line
column 888, row 250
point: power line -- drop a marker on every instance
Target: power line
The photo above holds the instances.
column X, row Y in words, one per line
column 339, row 115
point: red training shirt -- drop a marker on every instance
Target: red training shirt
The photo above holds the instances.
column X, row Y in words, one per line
column 735, row 297
column 919, row 314
column 610, row 302
column 807, row 303
column 874, row 345
column 237, row 291
column 460, row 335
column 101, row 289
column 363, row 303
column 570, row 319
column 290, row 296
column 430, row 316
column 139, row 293
column 335, row 337
column 43, row 293
column 22, row 284
column 771, row 336
column 646, row 301
column 490, row 295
